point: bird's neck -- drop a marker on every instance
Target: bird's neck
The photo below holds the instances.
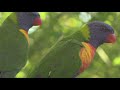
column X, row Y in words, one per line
column 25, row 33
column 95, row 43
column 86, row 54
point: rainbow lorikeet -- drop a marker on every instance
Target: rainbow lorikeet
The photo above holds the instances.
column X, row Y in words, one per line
column 14, row 41
column 73, row 54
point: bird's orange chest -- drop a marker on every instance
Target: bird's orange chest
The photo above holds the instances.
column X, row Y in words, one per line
column 86, row 54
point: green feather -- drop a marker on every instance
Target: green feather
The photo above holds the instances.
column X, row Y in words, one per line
column 62, row 59
column 13, row 47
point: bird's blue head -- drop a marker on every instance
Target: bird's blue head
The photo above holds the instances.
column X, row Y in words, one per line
column 28, row 19
column 101, row 33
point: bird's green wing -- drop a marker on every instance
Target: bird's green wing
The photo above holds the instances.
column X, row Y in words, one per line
column 62, row 59
column 13, row 45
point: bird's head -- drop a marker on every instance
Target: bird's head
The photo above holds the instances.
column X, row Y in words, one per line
column 101, row 33
column 98, row 33
column 28, row 19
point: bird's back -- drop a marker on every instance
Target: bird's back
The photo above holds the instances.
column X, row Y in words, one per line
column 62, row 60
column 13, row 45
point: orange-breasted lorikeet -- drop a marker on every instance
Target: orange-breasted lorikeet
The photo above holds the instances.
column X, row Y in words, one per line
column 73, row 54
column 14, row 41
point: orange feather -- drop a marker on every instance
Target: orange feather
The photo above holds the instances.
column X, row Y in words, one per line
column 86, row 55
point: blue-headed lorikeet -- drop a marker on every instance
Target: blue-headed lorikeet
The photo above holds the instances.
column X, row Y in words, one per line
column 14, row 41
column 73, row 54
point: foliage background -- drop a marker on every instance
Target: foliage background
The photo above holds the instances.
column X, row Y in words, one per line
column 106, row 63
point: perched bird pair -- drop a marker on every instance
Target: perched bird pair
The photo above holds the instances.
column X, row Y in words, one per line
column 14, row 42
column 68, row 57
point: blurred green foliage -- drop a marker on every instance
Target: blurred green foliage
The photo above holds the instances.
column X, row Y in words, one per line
column 106, row 63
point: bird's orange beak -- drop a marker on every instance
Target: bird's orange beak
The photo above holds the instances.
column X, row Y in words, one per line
column 111, row 38
column 37, row 21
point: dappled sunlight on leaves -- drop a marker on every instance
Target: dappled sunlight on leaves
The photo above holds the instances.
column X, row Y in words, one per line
column 21, row 75
column 110, row 18
column 85, row 17
column 108, row 22
column 43, row 15
column 23, row 72
column 3, row 16
column 26, row 69
column 116, row 61
column 71, row 22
